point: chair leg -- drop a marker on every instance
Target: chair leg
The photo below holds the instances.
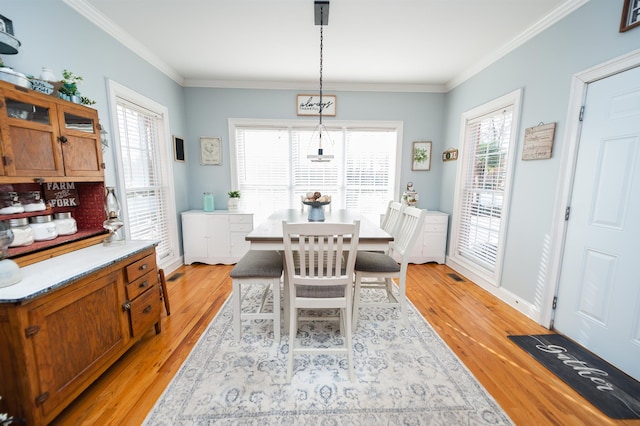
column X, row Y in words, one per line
column 293, row 331
column 356, row 302
column 275, row 291
column 237, row 300
column 348, row 342
column 165, row 293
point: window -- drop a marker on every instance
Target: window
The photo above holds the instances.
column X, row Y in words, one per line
column 482, row 193
column 140, row 149
column 271, row 169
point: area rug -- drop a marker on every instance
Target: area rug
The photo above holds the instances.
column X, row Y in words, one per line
column 405, row 375
column 615, row 393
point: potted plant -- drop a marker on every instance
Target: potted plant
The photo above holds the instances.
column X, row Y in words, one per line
column 234, row 200
column 69, row 89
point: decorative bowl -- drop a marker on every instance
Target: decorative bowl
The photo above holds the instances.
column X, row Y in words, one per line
column 315, row 203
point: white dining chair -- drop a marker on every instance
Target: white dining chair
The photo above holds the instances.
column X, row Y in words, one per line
column 392, row 217
column 263, row 268
column 377, row 271
column 318, row 268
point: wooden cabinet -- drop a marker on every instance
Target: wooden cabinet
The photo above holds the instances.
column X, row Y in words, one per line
column 57, row 343
column 45, row 137
column 142, row 295
column 431, row 244
column 215, row 237
column 45, row 140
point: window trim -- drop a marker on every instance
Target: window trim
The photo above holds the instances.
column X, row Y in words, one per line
column 116, row 91
column 481, row 275
column 351, row 124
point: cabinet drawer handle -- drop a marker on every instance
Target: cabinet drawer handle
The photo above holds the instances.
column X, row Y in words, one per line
column 63, row 139
column 143, row 285
column 143, row 267
column 126, row 306
column 147, row 309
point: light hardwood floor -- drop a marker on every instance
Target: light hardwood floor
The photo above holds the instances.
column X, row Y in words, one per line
column 472, row 322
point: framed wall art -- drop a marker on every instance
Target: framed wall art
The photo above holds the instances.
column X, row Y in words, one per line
column 421, row 156
column 178, row 149
column 310, row 105
column 630, row 15
column 210, row 151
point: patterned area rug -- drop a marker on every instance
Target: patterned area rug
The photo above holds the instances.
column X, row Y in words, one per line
column 405, row 375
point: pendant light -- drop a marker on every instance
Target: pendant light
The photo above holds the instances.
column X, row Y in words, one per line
column 320, row 136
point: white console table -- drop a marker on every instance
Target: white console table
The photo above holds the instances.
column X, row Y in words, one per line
column 432, row 243
column 215, row 237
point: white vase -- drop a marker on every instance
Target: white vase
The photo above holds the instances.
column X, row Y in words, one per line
column 233, row 204
column 48, row 75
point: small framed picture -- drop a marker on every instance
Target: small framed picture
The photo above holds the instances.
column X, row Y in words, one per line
column 310, row 105
column 421, row 156
column 210, row 151
column 178, row 149
column 630, row 15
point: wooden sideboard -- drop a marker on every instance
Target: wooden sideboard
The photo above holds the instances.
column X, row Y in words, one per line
column 69, row 319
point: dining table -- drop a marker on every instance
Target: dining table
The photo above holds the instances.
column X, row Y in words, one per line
column 268, row 234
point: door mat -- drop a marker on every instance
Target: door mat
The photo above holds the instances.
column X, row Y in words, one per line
column 615, row 393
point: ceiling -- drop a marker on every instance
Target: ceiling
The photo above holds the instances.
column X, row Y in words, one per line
column 402, row 45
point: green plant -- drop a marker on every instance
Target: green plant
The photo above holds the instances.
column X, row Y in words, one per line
column 233, row 194
column 420, row 155
column 70, row 83
column 86, row 101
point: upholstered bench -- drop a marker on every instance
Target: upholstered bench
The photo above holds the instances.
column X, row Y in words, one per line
column 257, row 267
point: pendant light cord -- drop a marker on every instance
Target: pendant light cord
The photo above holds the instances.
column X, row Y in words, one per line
column 321, row 40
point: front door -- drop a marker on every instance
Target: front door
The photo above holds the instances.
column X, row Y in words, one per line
column 599, row 292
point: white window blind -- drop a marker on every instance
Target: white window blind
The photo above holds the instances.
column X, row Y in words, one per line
column 273, row 170
column 146, row 193
column 482, row 193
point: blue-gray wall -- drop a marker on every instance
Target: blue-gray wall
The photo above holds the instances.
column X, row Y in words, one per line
column 55, row 36
column 543, row 68
column 208, row 111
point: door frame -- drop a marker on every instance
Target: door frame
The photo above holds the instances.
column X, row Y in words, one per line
column 569, row 155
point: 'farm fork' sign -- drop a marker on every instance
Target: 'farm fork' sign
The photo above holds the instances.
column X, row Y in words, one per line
column 61, row 194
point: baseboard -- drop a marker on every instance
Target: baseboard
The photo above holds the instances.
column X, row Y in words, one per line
column 501, row 293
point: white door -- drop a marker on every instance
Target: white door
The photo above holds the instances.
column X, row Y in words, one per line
column 599, row 293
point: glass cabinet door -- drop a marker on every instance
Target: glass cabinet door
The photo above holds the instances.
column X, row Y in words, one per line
column 27, row 111
column 76, row 122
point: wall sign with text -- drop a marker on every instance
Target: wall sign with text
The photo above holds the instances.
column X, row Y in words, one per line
column 310, row 105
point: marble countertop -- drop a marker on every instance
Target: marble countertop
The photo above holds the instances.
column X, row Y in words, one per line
column 49, row 274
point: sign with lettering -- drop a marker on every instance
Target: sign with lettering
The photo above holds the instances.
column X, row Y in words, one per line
column 611, row 390
column 310, row 105
column 61, row 194
column 538, row 142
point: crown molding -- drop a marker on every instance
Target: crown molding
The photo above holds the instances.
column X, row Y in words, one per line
column 559, row 13
column 93, row 15
column 291, row 85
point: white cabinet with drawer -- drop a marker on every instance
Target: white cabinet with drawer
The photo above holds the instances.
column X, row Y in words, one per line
column 432, row 243
column 215, row 237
